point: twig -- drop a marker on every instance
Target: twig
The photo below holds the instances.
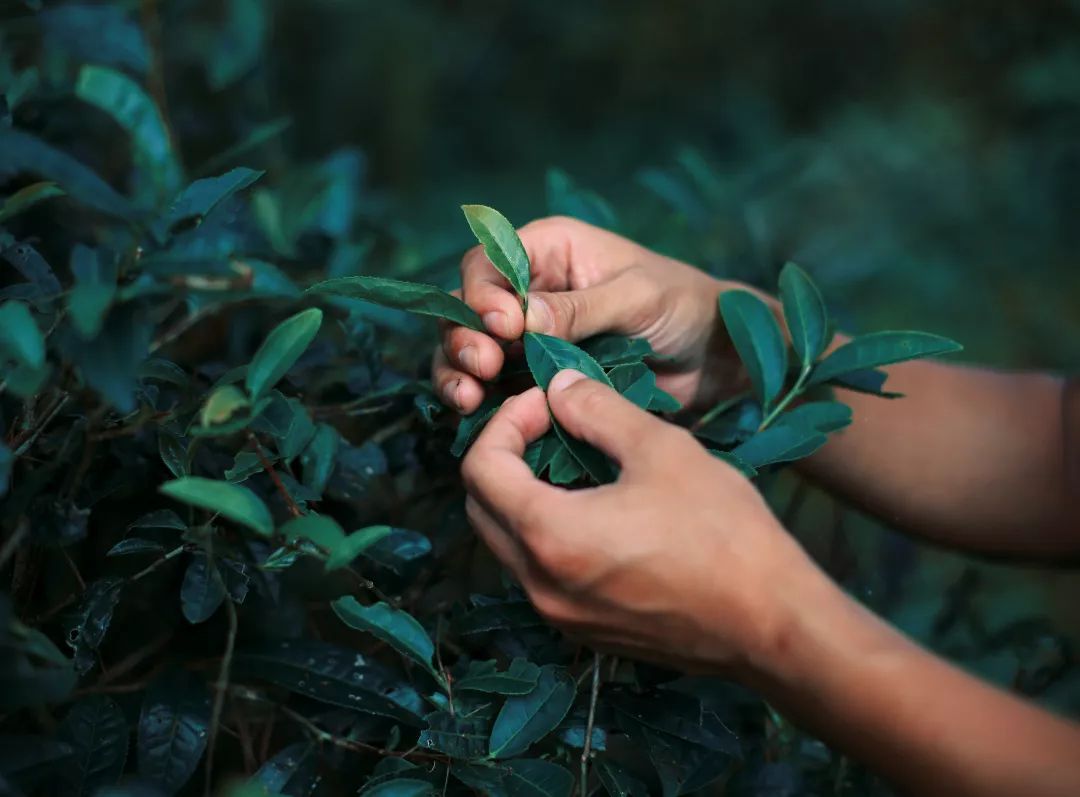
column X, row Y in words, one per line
column 353, row 745
column 182, row 326
column 13, row 542
column 29, row 441
column 74, row 570
column 586, row 750
column 222, row 685
column 442, row 669
column 128, row 664
column 719, row 409
column 268, row 466
column 155, row 565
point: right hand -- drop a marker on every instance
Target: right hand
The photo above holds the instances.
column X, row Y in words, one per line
column 586, row 281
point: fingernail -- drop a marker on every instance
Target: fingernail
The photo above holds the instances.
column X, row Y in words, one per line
column 538, row 318
column 497, row 322
column 564, row 379
column 450, row 393
column 470, row 359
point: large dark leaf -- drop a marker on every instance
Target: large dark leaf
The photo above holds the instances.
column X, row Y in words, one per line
column 411, row 296
column 779, row 443
column 501, row 245
column 330, row 674
column 292, row 771
column 528, row 718
column 89, row 624
column 547, row 355
column 523, row 777
column 281, row 349
column 617, row 781
column 805, row 314
column 202, row 590
column 395, row 627
column 173, row 730
column 757, row 338
column 459, row 736
column 880, row 348
column 483, row 676
column 97, row 731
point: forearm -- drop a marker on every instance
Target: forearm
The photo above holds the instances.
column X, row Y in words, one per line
column 925, row 725
column 972, row 458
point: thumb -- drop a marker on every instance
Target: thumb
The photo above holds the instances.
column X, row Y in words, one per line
column 614, row 306
column 596, row 413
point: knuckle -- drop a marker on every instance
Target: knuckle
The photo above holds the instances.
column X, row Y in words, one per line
column 472, row 469
column 589, row 396
column 551, row 606
column 564, row 312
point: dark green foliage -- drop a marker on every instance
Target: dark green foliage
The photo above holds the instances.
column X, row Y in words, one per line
column 187, row 437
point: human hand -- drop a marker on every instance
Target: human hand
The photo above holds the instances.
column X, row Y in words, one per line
column 680, row 561
column 586, row 281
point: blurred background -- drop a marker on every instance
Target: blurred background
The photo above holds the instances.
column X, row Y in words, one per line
column 921, row 159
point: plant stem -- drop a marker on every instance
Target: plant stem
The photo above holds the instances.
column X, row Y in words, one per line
column 586, row 750
column 719, row 409
column 795, row 392
column 294, row 510
column 222, row 684
column 155, row 565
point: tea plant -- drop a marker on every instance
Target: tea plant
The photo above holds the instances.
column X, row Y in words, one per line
column 233, row 550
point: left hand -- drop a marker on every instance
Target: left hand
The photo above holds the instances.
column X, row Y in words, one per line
column 680, row 561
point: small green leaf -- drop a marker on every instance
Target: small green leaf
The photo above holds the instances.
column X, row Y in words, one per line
column 471, row 425
column 822, row 416
column 780, row 443
column 173, row 730
column 202, row 590
column 98, row 733
column 20, row 337
column 202, row 196
column 135, row 545
column 501, row 244
column 595, row 463
column 281, row 349
column 411, row 296
column 318, row 529
column 94, row 290
column 222, row 404
column 355, row 544
column 527, row 719
column 758, row 340
column 317, row 460
column 483, row 676
column 126, row 101
column 805, row 314
column 547, row 355
column 25, row 198
column 617, row 781
column 611, row 350
column 459, row 736
column 396, row 628
column 635, row 382
column 23, row 152
column 880, row 348
column 232, row 501
column 401, row 787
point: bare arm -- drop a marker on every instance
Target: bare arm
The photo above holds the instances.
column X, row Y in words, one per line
column 972, row 458
column 928, row 726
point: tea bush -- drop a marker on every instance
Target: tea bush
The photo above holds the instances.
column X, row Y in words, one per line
column 234, row 553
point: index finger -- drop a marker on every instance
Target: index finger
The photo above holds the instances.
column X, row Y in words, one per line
column 489, row 293
column 495, row 473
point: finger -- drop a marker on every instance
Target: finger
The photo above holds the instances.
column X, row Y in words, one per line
column 456, row 388
column 488, row 292
column 622, row 305
column 471, row 351
column 595, row 413
column 495, row 473
column 501, row 543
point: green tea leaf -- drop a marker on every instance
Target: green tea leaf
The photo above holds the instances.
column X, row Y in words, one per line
column 527, row 719
column 780, row 443
column 401, row 787
column 20, row 337
column 94, row 290
column 822, row 416
column 222, row 404
column 124, row 99
column 317, row 460
column 547, row 355
column 471, row 425
column 564, row 468
column 869, row 380
column 135, row 545
column 202, row 196
column 595, row 463
column 346, row 550
column 758, row 340
column 611, row 350
column 321, row 530
column 501, row 245
column 202, row 591
column 522, row 777
column 483, row 676
column 232, row 501
column 281, row 349
column 635, row 382
column 414, row 297
column 396, row 628
column 173, row 730
column 330, row 674
column 21, row 151
column 880, row 348
column 97, row 731
column 25, row 198
column 459, row 736
column 805, row 314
